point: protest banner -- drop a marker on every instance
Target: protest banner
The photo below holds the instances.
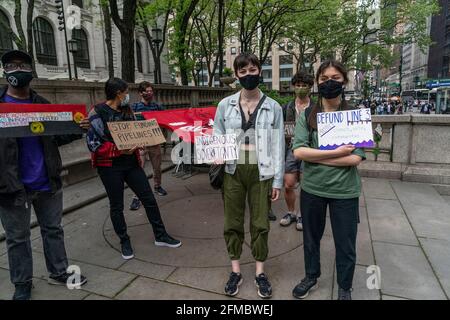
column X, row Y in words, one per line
column 23, row 120
column 130, row 134
column 209, row 148
column 186, row 123
column 345, row 127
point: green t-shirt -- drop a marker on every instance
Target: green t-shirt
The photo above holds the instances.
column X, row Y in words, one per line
column 326, row 181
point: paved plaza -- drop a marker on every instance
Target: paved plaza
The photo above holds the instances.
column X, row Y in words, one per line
column 404, row 230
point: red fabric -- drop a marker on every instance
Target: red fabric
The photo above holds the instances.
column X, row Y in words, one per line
column 185, row 122
column 25, row 108
column 105, row 154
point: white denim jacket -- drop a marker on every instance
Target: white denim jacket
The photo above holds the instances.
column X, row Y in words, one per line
column 269, row 131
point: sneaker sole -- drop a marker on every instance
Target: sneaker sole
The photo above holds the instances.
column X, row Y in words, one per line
column 128, row 257
column 57, row 283
column 163, row 244
column 259, row 293
column 237, row 290
column 314, row 287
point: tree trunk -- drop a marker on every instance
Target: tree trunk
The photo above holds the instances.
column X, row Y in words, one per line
column 108, row 37
column 22, row 44
column 221, row 37
column 181, row 39
column 126, row 27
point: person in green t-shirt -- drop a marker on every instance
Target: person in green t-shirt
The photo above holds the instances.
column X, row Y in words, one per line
column 330, row 179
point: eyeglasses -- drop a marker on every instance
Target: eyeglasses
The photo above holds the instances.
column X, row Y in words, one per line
column 11, row 66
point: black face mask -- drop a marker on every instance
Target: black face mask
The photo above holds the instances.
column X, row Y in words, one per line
column 331, row 89
column 19, row 79
column 250, row 81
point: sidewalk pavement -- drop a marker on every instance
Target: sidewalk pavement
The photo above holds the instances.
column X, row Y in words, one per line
column 404, row 230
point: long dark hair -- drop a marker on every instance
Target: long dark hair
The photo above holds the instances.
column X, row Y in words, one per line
column 330, row 63
column 114, row 85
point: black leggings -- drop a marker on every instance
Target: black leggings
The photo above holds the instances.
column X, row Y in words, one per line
column 113, row 179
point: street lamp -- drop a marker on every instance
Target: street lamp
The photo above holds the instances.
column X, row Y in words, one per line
column 73, row 48
column 62, row 26
column 157, row 39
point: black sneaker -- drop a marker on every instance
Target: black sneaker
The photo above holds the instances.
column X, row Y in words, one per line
column 272, row 217
column 299, row 225
column 301, row 290
column 232, row 286
column 68, row 279
column 127, row 250
column 344, row 294
column 288, row 219
column 264, row 287
column 23, row 291
column 135, row 204
column 160, row 191
column 167, row 241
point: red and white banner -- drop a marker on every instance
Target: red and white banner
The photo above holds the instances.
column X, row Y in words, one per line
column 186, row 123
column 22, row 120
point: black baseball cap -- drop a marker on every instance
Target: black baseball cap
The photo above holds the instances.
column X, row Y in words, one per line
column 16, row 54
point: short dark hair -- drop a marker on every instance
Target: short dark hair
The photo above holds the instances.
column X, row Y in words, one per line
column 144, row 85
column 303, row 77
column 112, row 86
column 244, row 59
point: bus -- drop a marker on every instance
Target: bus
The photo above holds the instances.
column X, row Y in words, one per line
column 443, row 100
column 419, row 96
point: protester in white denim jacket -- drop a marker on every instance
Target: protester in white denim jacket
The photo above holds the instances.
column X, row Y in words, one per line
column 270, row 142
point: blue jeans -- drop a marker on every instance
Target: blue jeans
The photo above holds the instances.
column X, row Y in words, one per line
column 16, row 222
column 344, row 216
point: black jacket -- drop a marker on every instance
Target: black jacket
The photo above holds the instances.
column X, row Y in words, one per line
column 11, row 187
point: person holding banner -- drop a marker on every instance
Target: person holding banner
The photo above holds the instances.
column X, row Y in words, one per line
column 302, row 83
column 145, row 90
column 115, row 167
column 257, row 120
column 31, row 168
column 330, row 179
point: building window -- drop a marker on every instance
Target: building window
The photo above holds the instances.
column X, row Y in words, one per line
column 286, row 59
column 44, row 41
column 285, row 73
column 78, row 3
column 82, row 55
column 233, row 50
column 266, row 74
column 139, row 57
column 6, row 43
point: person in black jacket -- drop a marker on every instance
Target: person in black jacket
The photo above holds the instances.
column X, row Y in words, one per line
column 31, row 168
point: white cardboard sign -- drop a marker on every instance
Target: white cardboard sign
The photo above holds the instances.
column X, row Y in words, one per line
column 210, row 148
column 345, row 127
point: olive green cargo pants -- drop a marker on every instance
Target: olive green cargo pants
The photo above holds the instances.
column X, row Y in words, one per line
column 236, row 188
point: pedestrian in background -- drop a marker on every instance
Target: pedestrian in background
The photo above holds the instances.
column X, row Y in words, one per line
column 330, row 179
column 302, row 82
column 146, row 104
